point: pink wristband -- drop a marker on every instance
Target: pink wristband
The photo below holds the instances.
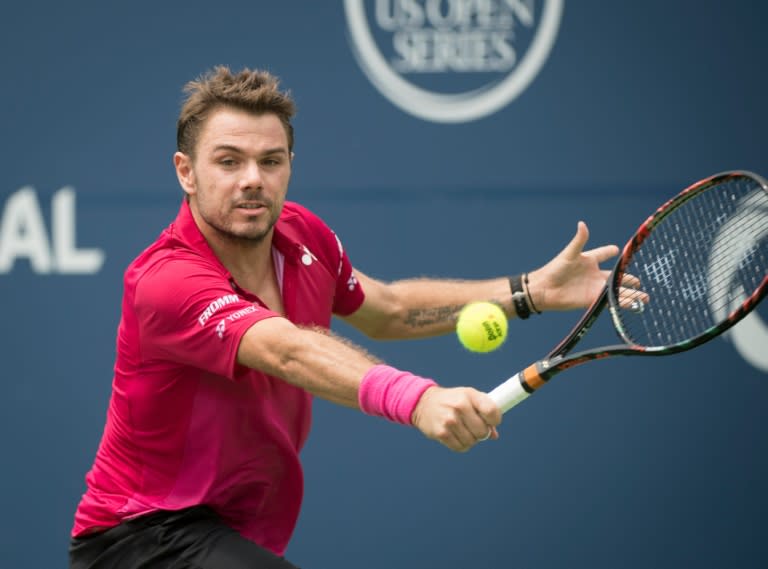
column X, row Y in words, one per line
column 390, row 393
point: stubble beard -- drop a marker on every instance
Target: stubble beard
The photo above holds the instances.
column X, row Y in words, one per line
column 249, row 233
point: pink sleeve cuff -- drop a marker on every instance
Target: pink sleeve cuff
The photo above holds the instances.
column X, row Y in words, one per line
column 390, row 393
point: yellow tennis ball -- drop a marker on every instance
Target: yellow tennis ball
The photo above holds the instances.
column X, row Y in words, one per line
column 481, row 326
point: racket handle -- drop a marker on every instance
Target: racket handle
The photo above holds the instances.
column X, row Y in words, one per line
column 509, row 393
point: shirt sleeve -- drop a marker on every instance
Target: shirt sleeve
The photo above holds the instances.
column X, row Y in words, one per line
column 349, row 294
column 189, row 314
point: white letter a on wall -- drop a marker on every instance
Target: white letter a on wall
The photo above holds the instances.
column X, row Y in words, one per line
column 22, row 233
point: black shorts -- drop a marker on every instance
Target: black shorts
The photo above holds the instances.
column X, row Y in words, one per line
column 194, row 538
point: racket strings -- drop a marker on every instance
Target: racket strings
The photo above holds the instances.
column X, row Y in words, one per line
column 702, row 260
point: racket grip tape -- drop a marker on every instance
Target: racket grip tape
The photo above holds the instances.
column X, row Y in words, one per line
column 517, row 388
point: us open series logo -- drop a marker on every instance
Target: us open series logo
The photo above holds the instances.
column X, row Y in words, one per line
column 452, row 61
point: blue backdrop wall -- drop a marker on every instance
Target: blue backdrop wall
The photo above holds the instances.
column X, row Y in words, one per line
column 557, row 111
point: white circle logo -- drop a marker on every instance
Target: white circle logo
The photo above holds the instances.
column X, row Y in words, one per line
column 503, row 43
column 749, row 337
column 731, row 250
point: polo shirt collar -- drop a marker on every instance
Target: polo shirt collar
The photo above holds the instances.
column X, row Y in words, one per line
column 190, row 233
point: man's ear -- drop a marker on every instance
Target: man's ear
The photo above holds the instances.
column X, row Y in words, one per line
column 184, row 172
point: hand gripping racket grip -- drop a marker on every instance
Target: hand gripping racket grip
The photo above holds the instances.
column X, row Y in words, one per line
column 509, row 393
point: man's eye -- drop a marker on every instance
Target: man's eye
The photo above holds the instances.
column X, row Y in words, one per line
column 227, row 162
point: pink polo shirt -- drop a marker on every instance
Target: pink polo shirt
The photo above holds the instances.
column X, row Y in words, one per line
column 186, row 424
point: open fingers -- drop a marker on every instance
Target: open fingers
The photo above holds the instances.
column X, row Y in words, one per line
column 603, row 253
column 633, row 299
column 630, row 281
column 576, row 245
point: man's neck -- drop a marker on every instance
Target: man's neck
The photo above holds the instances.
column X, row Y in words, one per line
column 253, row 269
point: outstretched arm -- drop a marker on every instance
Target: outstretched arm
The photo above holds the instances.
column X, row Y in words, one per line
column 338, row 371
column 429, row 307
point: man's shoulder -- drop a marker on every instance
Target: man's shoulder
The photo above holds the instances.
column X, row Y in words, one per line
column 169, row 260
column 300, row 222
column 301, row 226
column 293, row 211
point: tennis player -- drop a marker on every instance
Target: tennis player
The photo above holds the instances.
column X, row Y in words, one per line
column 224, row 340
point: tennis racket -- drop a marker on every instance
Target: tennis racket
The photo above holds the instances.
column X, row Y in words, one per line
column 702, row 264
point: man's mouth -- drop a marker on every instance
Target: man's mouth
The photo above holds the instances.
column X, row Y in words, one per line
column 251, row 206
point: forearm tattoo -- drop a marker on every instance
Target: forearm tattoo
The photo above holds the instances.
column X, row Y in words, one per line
column 425, row 317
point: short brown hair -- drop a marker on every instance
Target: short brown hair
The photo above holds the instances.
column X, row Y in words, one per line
column 249, row 90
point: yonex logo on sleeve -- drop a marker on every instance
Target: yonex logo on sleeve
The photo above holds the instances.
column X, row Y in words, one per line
column 220, row 327
column 215, row 306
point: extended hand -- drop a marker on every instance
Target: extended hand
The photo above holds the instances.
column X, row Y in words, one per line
column 573, row 279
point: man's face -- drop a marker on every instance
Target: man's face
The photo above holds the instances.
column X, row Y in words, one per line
column 239, row 178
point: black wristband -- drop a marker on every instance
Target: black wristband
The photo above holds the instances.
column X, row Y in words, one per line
column 518, row 297
column 528, row 294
